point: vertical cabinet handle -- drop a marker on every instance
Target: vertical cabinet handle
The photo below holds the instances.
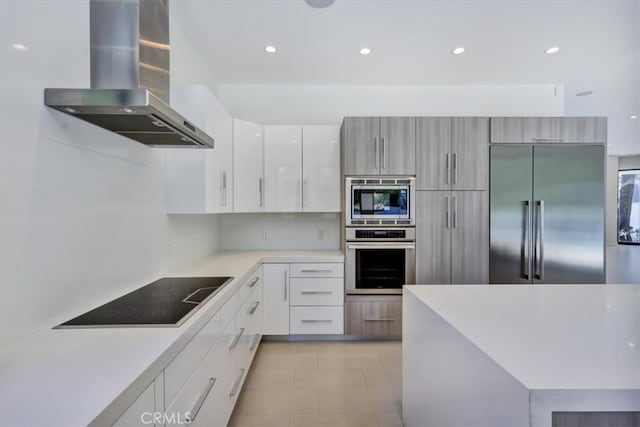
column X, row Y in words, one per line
column 260, row 190
column 236, row 384
column 455, row 168
column 539, row 247
column 285, row 285
column 193, row 413
column 448, row 213
column 525, row 252
column 224, row 182
column 448, row 167
column 304, row 192
column 375, row 151
column 383, row 153
column 455, row 212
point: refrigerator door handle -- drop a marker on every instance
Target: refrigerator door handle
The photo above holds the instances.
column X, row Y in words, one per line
column 525, row 250
column 539, row 256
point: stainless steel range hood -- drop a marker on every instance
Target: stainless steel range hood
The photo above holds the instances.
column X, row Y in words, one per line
column 129, row 94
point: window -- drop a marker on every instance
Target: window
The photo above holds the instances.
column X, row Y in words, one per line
column 629, row 206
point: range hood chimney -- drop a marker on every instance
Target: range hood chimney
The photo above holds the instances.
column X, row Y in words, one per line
column 129, row 94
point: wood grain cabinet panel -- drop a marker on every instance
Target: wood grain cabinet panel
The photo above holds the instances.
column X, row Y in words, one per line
column 373, row 318
column 548, row 129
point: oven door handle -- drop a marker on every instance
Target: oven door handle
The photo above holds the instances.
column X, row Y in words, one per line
column 385, row 245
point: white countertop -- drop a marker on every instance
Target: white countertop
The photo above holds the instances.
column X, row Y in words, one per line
column 549, row 336
column 67, row 377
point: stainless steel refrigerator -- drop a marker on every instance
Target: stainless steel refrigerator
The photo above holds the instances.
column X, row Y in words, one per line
column 547, row 214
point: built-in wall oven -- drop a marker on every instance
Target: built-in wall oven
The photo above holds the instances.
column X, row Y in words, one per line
column 379, row 201
column 379, row 260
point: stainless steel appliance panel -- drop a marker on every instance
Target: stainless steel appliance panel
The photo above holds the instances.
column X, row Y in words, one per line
column 511, row 184
column 568, row 202
column 352, row 267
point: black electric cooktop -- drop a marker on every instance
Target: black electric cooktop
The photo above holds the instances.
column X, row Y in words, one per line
column 166, row 302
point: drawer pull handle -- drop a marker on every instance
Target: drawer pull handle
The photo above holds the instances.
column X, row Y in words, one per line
column 253, row 282
column 315, row 270
column 254, row 307
column 191, row 415
column 315, row 292
column 236, row 384
column 255, row 342
column 317, row 320
column 547, row 139
column 379, row 319
column 234, row 343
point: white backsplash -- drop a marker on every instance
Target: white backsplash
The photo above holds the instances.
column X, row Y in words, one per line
column 83, row 210
column 283, row 231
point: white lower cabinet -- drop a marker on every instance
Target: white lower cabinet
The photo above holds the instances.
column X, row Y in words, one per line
column 317, row 320
column 146, row 409
column 303, row 298
column 276, row 299
column 201, row 384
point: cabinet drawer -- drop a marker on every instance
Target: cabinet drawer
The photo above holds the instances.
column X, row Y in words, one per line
column 317, row 270
column 317, row 291
column 548, row 129
column 181, row 367
column 250, row 285
column 196, row 397
column 317, row 320
column 373, row 318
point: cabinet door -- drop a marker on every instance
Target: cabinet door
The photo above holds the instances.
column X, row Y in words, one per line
column 222, row 171
column 361, row 145
column 470, row 237
column 141, row 411
column 549, row 129
column 433, row 157
column 398, row 145
column 433, row 237
column 470, row 153
column 275, row 295
column 283, row 168
column 320, row 169
column 248, row 195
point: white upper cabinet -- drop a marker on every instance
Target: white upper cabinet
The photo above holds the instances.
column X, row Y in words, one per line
column 321, row 168
column 200, row 181
column 283, row 168
column 248, row 172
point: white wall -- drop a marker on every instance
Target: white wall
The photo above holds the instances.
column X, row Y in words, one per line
column 286, row 231
column 328, row 104
column 82, row 210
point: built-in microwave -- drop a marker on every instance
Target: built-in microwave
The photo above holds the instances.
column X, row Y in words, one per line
column 380, row 201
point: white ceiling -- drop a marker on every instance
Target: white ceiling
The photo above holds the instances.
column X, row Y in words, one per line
column 411, row 42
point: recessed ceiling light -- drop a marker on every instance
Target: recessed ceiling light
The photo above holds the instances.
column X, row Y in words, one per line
column 458, row 50
column 128, row 110
column 554, row 49
column 70, row 110
column 585, row 93
column 20, row 47
column 633, row 117
column 270, row 49
column 365, row 51
column 319, row 4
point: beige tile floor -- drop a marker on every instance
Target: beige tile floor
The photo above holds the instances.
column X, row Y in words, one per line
column 313, row 384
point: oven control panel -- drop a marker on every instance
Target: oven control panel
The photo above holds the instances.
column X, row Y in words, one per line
column 380, row 234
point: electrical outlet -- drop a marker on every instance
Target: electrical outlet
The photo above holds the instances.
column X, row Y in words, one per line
column 320, row 234
column 266, row 235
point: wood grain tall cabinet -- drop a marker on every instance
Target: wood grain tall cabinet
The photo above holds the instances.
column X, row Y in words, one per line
column 452, row 179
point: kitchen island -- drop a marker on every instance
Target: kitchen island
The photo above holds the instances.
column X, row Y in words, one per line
column 479, row 355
